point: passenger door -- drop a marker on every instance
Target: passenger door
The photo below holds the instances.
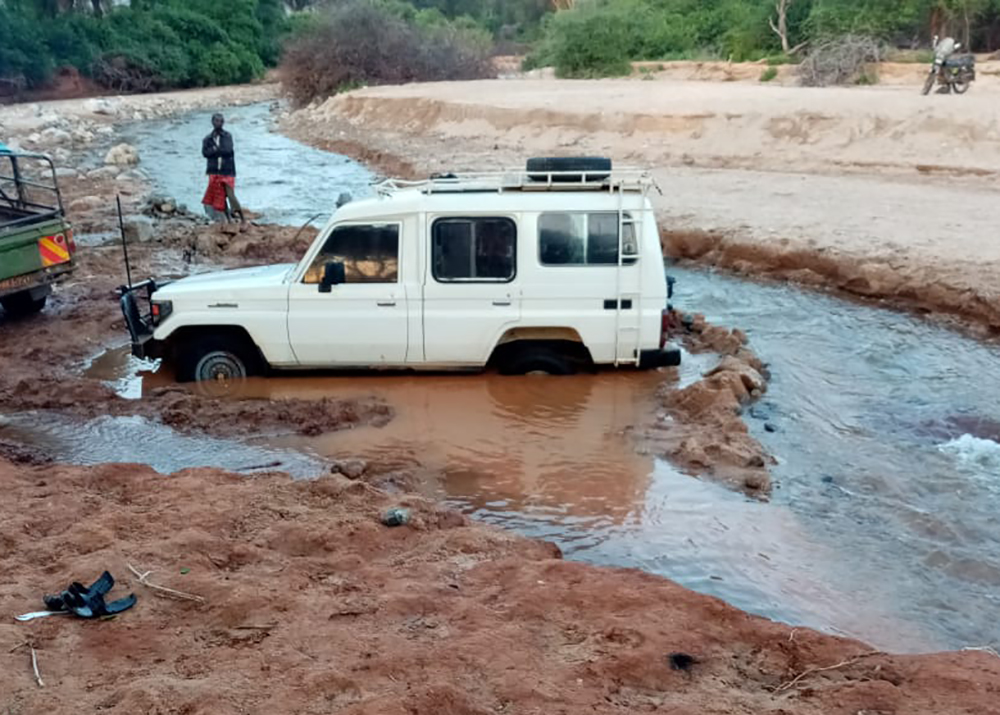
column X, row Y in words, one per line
column 471, row 293
column 361, row 322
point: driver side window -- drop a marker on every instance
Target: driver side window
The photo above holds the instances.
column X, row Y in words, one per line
column 370, row 254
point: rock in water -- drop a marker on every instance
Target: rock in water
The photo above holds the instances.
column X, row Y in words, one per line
column 122, row 155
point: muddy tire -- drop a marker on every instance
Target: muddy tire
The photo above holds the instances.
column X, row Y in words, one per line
column 928, row 84
column 541, row 360
column 220, row 361
column 21, row 305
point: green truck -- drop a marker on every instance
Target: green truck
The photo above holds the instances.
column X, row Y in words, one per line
column 36, row 240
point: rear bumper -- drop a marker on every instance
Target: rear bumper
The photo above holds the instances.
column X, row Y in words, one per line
column 664, row 357
column 37, row 280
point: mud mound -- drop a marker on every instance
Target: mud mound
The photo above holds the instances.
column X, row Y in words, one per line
column 707, row 434
column 311, row 605
column 188, row 412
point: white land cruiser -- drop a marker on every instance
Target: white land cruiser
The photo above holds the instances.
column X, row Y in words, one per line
column 553, row 269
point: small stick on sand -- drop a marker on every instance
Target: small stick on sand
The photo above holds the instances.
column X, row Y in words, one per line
column 34, row 661
column 34, row 666
column 850, row 661
column 163, row 589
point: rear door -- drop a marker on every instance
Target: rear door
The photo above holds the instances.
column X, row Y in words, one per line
column 471, row 294
column 578, row 262
column 363, row 322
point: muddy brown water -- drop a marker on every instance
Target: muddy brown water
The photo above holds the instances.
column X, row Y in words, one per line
column 884, row 521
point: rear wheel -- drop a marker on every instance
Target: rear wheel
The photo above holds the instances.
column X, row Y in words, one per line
column 218, row 363
column 961, row 86
column 928, row 84
column 20, row 305
column 538, row 360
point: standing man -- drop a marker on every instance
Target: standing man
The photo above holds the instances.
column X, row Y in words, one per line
column 217, row 148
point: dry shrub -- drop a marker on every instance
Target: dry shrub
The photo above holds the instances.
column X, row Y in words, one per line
column 359, row 43
column 841, row 60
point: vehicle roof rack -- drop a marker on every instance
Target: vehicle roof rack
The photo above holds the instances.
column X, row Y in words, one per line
column 616, row 180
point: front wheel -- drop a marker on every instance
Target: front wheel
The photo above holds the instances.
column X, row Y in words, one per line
column 21, row 305
column 928, row 84
column 218, row 364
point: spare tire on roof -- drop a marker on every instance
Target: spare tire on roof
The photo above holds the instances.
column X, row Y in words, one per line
column 594, row 168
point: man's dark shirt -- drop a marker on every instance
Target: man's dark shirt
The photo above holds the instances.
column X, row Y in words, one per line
column 217, row 148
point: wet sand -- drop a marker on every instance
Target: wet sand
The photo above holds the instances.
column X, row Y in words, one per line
column 311, row 605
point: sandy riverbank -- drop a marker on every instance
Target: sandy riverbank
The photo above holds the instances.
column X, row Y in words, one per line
column 876, row 191
column 311, row 605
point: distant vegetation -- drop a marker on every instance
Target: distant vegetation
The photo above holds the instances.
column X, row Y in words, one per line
column 360, row 42
column 153, row 44
column 158, row 44
column 601, row 37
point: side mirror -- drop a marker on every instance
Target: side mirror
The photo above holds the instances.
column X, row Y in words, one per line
column 333, row 275
column 935, row 40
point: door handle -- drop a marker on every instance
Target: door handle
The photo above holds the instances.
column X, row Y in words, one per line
column 501, row 303
column 386, row 303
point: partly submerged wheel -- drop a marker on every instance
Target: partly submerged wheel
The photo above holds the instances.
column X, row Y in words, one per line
column 21, row 305
column 219, row 365
column 928, row 84
column 541, row 360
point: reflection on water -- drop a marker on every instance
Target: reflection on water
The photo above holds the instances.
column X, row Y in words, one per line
column 141, row 441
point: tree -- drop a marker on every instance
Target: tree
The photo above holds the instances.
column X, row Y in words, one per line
column 781, row 28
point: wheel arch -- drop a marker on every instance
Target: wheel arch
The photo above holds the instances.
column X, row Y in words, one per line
column 185, row 334
column 565, row 341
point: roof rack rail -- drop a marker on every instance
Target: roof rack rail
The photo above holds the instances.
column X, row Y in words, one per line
column 624, row 180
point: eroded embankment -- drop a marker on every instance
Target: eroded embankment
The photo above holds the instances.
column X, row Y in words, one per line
column 933, row 290
column 310, row 602
column 723, row 125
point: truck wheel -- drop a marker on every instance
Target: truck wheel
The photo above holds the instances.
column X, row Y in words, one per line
column 20, row 305
column 220, row 360
column 538, row 360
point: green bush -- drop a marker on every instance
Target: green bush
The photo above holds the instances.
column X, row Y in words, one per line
column 145, row 46
column 365, row 42
column 771, row 73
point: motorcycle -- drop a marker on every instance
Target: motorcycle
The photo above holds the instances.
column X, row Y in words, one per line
column 955, row 73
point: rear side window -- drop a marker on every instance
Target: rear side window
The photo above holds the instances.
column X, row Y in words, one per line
column 370, row 254
column 474, row 250
column 584, row 239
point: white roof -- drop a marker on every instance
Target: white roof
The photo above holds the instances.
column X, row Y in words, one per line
column 502, row 192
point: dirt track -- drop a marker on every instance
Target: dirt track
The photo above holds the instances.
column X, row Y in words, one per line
column 876, row 191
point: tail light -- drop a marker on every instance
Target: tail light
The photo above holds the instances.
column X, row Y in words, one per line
column 664, row 327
